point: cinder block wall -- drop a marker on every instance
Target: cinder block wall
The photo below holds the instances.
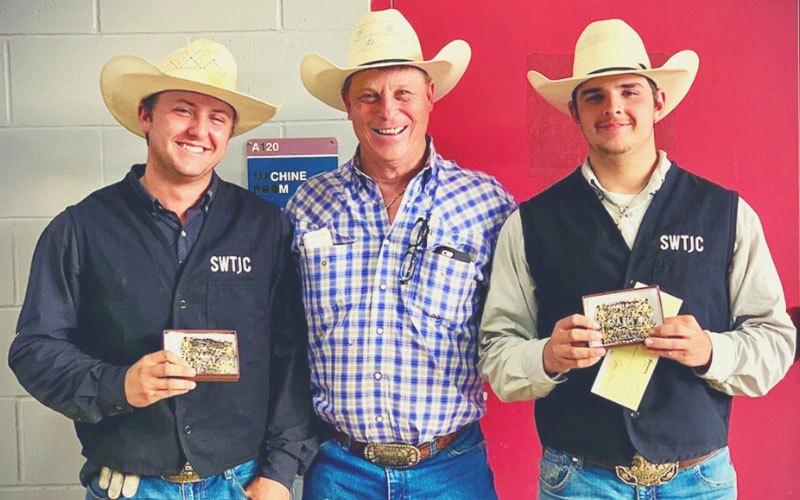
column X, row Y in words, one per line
column 58, row 143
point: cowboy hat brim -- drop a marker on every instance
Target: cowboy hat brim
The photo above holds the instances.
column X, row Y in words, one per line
column 126, row 80
column 675, row 78
column 324, row 80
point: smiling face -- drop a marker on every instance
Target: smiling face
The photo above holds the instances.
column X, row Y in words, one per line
column 616, row 114
column 187, row 134
column 389, row 108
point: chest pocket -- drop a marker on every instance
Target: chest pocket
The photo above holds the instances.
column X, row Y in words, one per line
column 693, row 278
column 331, row 281
column 235, row 304
column 445, row 282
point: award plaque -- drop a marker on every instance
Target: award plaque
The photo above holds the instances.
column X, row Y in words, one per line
column 625, row 316
column 214, row 354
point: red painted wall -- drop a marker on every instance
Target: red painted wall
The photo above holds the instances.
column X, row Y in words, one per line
column 738, row 126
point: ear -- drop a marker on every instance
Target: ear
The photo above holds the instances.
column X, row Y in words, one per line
column 573, row 112
column 429, row 95
column 145, row 119
column 660, row 105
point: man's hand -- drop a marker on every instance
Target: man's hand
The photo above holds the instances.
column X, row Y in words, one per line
column 262, row 488
column 568, row 346
column 157, row 376
column 681, row 338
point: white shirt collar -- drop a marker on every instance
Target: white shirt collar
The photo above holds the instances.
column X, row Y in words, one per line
column 652, row 186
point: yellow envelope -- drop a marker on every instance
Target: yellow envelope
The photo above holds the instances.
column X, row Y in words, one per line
column 626, row 370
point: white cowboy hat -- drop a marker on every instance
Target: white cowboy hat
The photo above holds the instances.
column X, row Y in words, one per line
column 380, row 39
column 202, row 66
column 611, row 47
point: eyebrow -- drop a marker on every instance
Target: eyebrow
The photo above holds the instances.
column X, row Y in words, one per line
column 192, row 104
column 596, row 90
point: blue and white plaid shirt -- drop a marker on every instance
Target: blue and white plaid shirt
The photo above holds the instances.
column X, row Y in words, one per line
column 391, row 361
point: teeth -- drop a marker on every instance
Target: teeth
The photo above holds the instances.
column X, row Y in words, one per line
column 390, row 131
column 193, row 149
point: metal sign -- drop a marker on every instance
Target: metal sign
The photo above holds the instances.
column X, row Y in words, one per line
column 277, row 167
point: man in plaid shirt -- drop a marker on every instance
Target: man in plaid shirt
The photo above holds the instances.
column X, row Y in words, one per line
column 395, row 248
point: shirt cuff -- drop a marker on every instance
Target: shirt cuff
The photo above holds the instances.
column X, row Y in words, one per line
column 112, row 391
column 280, row 467
column 533, row 364
column 723, row 353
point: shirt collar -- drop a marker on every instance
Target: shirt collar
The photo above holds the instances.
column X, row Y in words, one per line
column 653, row 184
column 149, row 202
column 353, row 172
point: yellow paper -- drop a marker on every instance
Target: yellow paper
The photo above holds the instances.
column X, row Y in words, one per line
column 626, row 370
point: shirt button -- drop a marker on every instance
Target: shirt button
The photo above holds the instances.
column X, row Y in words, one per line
column 379, row 331
column 379, row 419
column 378, row 375
column 323, row 263
column 383, row 286
column 183, row 233
column 183, row 304
column 187, row 429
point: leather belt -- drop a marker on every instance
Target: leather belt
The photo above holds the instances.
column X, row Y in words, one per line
column 187, row 475
column 395, row 455
column 642, row 472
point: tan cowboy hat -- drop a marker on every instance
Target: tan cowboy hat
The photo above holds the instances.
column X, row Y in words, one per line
column 202, row 66
column 611, row 47
column 380, row 39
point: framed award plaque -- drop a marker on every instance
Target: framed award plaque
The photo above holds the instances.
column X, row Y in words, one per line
column 214, row 354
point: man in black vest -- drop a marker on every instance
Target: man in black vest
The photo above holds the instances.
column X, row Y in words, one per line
column 172, row 246
column 628, row 215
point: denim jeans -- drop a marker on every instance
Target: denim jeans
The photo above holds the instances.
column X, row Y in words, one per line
column 226, row 486
column 459, row 471
column 565, row 478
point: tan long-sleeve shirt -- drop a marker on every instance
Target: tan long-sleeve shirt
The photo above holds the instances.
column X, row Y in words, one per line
column 748, row 360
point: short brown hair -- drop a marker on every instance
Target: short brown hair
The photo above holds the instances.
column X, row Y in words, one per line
column 149, row 102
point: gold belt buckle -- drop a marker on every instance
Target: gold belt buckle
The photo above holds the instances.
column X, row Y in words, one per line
column 187, row 475
column 645, row 473
column 396, row 455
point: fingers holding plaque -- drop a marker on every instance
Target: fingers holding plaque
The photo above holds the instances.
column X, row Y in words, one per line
column 625, row 316
column 214, row 354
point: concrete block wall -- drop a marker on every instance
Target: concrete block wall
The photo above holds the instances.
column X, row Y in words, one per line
column 59, row 143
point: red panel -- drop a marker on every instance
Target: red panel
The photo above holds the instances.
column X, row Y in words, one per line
column 738, row 126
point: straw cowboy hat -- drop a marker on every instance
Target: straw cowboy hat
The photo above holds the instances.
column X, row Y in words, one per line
column 381, row 39
column 202, row 66
column 611, row 47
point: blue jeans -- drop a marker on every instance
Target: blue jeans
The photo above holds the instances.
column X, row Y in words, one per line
column 459, row 471
column 226, row 486
column 565, row 478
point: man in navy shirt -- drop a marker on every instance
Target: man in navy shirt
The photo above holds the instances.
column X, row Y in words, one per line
column 143, row 255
